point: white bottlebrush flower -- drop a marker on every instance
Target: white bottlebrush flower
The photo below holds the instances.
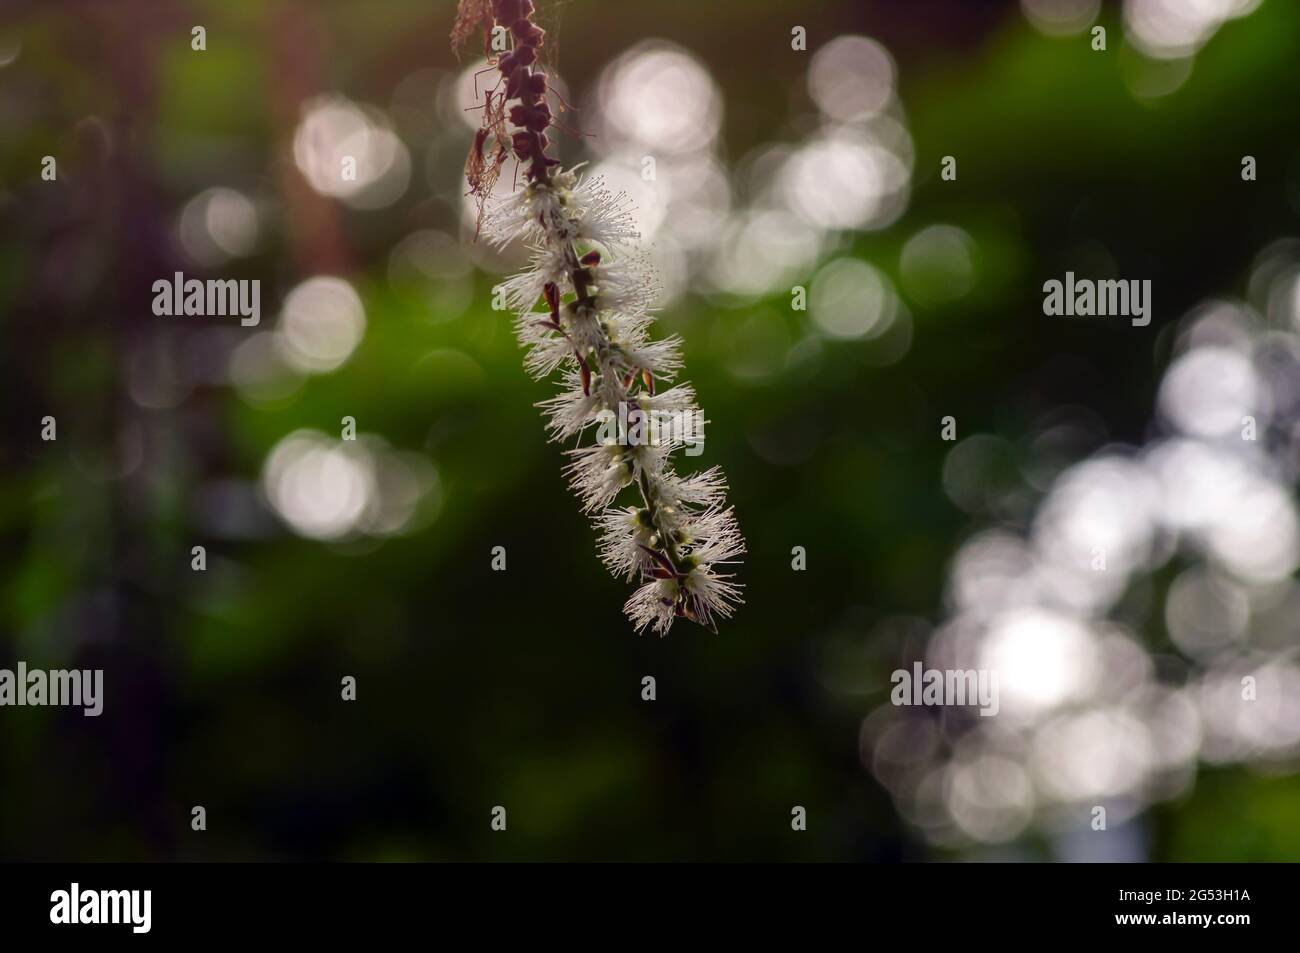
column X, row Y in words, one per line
column 571, row 410
column 624, row 538
column 588, row 333
column 627, row 285
column 597, row 474
column 678, row 399
column 714, row 537
column 606, row 217
column 571, row 209
column 709, row 595
column 654, row 604
column 597, row 298
column 521, row 292
column 599, row 471
column 547, row 351
column 509, row 218
column 536, row 214
column 703, row 489
column 597, row 322
column 662, row 358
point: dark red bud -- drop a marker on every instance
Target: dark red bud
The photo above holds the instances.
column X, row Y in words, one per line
column 535, row 85
column 535, row 118
column 523, row 143
column 591, row 258
column 512, row 84
column 508, row 11
column 528, row 34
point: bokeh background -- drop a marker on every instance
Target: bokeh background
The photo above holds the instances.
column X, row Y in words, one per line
column 774, row 167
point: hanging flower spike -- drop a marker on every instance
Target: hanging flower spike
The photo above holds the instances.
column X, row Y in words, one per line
column 680, row 537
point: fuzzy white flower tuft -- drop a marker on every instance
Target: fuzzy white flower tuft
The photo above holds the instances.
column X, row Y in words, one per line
column 599, row 296
column 627, row 285
column 607, row 217
column 595, row 330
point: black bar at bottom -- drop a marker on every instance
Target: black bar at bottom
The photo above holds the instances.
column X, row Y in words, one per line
column 458, row 903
